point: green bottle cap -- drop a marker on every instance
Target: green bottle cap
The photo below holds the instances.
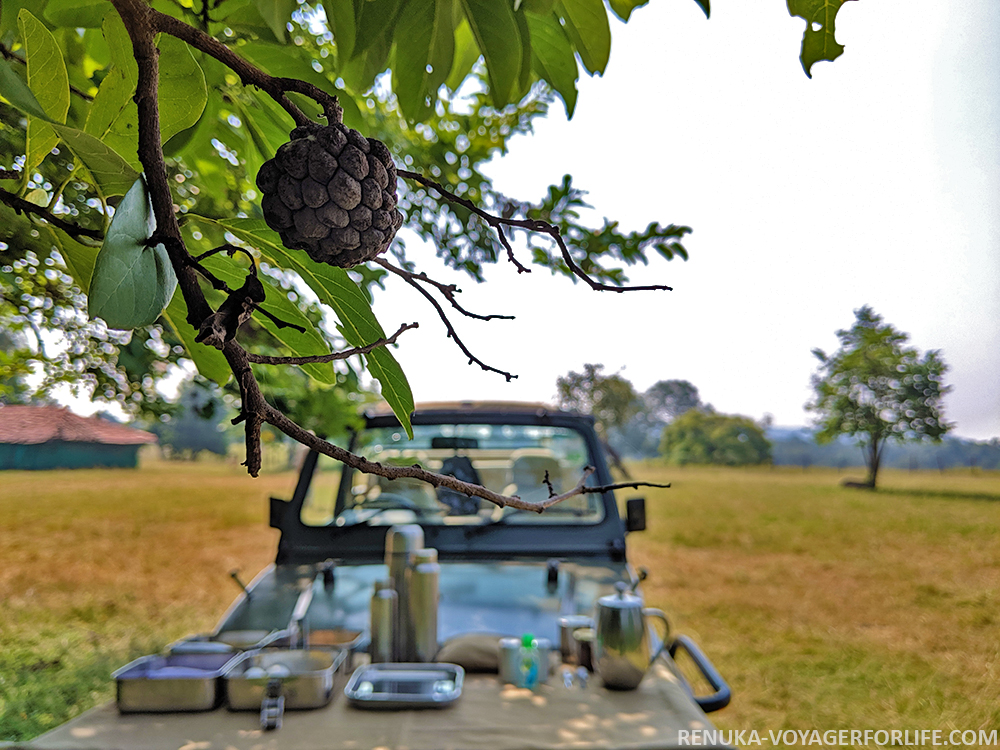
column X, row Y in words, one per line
column 528, row 640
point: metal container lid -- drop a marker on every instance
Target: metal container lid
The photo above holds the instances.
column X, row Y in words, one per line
column 403, row 540
column 426, row 555
column 621, row 599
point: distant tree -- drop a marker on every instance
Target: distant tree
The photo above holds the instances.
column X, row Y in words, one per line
column 14, row 368
column 197, row 424
column 668, row 399
column 611, row 399
column 876, row 389
column 702, row 436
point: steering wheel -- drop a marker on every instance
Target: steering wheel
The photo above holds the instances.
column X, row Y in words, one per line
column 392, row 501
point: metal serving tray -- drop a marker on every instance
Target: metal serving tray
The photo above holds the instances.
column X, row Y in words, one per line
column 403, row 686
column 306, row 680
column 174, row 682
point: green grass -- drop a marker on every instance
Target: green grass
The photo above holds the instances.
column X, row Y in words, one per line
column 829, row 607
column 98, row 567
column 824, row 607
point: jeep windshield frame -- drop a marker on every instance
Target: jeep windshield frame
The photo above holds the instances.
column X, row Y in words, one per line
column 601, row 536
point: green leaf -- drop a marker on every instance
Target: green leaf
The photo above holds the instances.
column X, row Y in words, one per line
column 819, row 41
column 8, row 15
column 132, row 282
column 284, row 62
column 182, row 93
column 466, row 54
column 77, row 14
column 211, row 363
column 541, row 7
column 425, row 49
column 586, row 23
column 112, row 175
column 277, row 13
column 277, row 303
column 554, row 58
column 113, row 116
column 360, row 72
column 623, row 8
column 336, row 289
column 340, row 18
column 495, row 29
column 48, row 80
column 79, row 258
column 376, row 22
column 524, row 78
column 16, row 91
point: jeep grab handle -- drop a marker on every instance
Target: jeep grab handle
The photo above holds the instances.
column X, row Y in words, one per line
column 722, row 695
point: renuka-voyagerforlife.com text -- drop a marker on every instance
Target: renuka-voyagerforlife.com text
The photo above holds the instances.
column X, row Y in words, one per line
column 839, row 737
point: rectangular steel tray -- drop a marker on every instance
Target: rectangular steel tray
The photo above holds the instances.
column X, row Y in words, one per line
column 308, row 683
column 404, row 686
column 174, row 682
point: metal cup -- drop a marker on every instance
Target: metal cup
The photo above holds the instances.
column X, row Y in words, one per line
column 585, row 639
column 509, row 660
column 567, row 646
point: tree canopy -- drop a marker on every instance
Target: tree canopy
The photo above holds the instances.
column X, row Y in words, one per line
column 196, row 96
column 877, row 389
column 702, row 436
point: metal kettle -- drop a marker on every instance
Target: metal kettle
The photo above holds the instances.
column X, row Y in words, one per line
column 622, row 652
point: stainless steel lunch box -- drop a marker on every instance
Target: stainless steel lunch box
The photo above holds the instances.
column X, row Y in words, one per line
column 306, row 677
column 173, row 682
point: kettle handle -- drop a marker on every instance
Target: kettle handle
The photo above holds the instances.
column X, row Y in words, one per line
column 658, row 613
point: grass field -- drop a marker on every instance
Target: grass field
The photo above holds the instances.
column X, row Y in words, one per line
column 825, row 607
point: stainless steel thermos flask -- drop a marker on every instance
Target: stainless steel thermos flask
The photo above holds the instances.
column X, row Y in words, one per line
column 424, row 595
column 383, row 616
column 401, row 545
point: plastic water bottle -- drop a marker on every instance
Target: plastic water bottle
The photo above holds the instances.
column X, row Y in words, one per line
column 529, row 661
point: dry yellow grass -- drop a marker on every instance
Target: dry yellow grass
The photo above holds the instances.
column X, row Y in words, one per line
column 834, row 608
column 100, row 566
column 825, row 607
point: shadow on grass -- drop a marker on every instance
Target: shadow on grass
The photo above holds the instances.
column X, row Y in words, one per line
column 941, row 494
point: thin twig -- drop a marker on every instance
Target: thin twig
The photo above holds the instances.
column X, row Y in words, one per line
column 531, row 225
column 21, row 205
column 260, row 359
column 510, row 252
column 452, row 334
column 448, row 291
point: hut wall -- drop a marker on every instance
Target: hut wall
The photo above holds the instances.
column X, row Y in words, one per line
column 58, row 454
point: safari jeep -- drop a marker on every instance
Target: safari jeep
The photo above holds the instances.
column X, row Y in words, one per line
column 501, row 572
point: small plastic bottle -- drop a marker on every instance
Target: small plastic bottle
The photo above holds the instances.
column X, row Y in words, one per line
column 529, row 661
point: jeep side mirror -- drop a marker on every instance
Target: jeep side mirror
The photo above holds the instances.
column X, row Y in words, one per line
column 635, row 514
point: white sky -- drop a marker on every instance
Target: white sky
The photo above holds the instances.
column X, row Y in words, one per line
column 876, row 182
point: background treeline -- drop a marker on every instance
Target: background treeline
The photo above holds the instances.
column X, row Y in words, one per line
column 796, row 447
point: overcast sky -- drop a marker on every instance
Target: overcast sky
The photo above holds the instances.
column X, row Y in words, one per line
column 877, row 182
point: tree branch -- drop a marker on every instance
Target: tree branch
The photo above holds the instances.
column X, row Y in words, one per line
column 142, row 23
column 452, row 334
column 260, row 359
column 531, row 225
column 448, row 291
column 22, row 206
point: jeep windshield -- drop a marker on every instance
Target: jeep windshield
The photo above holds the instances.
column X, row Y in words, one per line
column 512, row 459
